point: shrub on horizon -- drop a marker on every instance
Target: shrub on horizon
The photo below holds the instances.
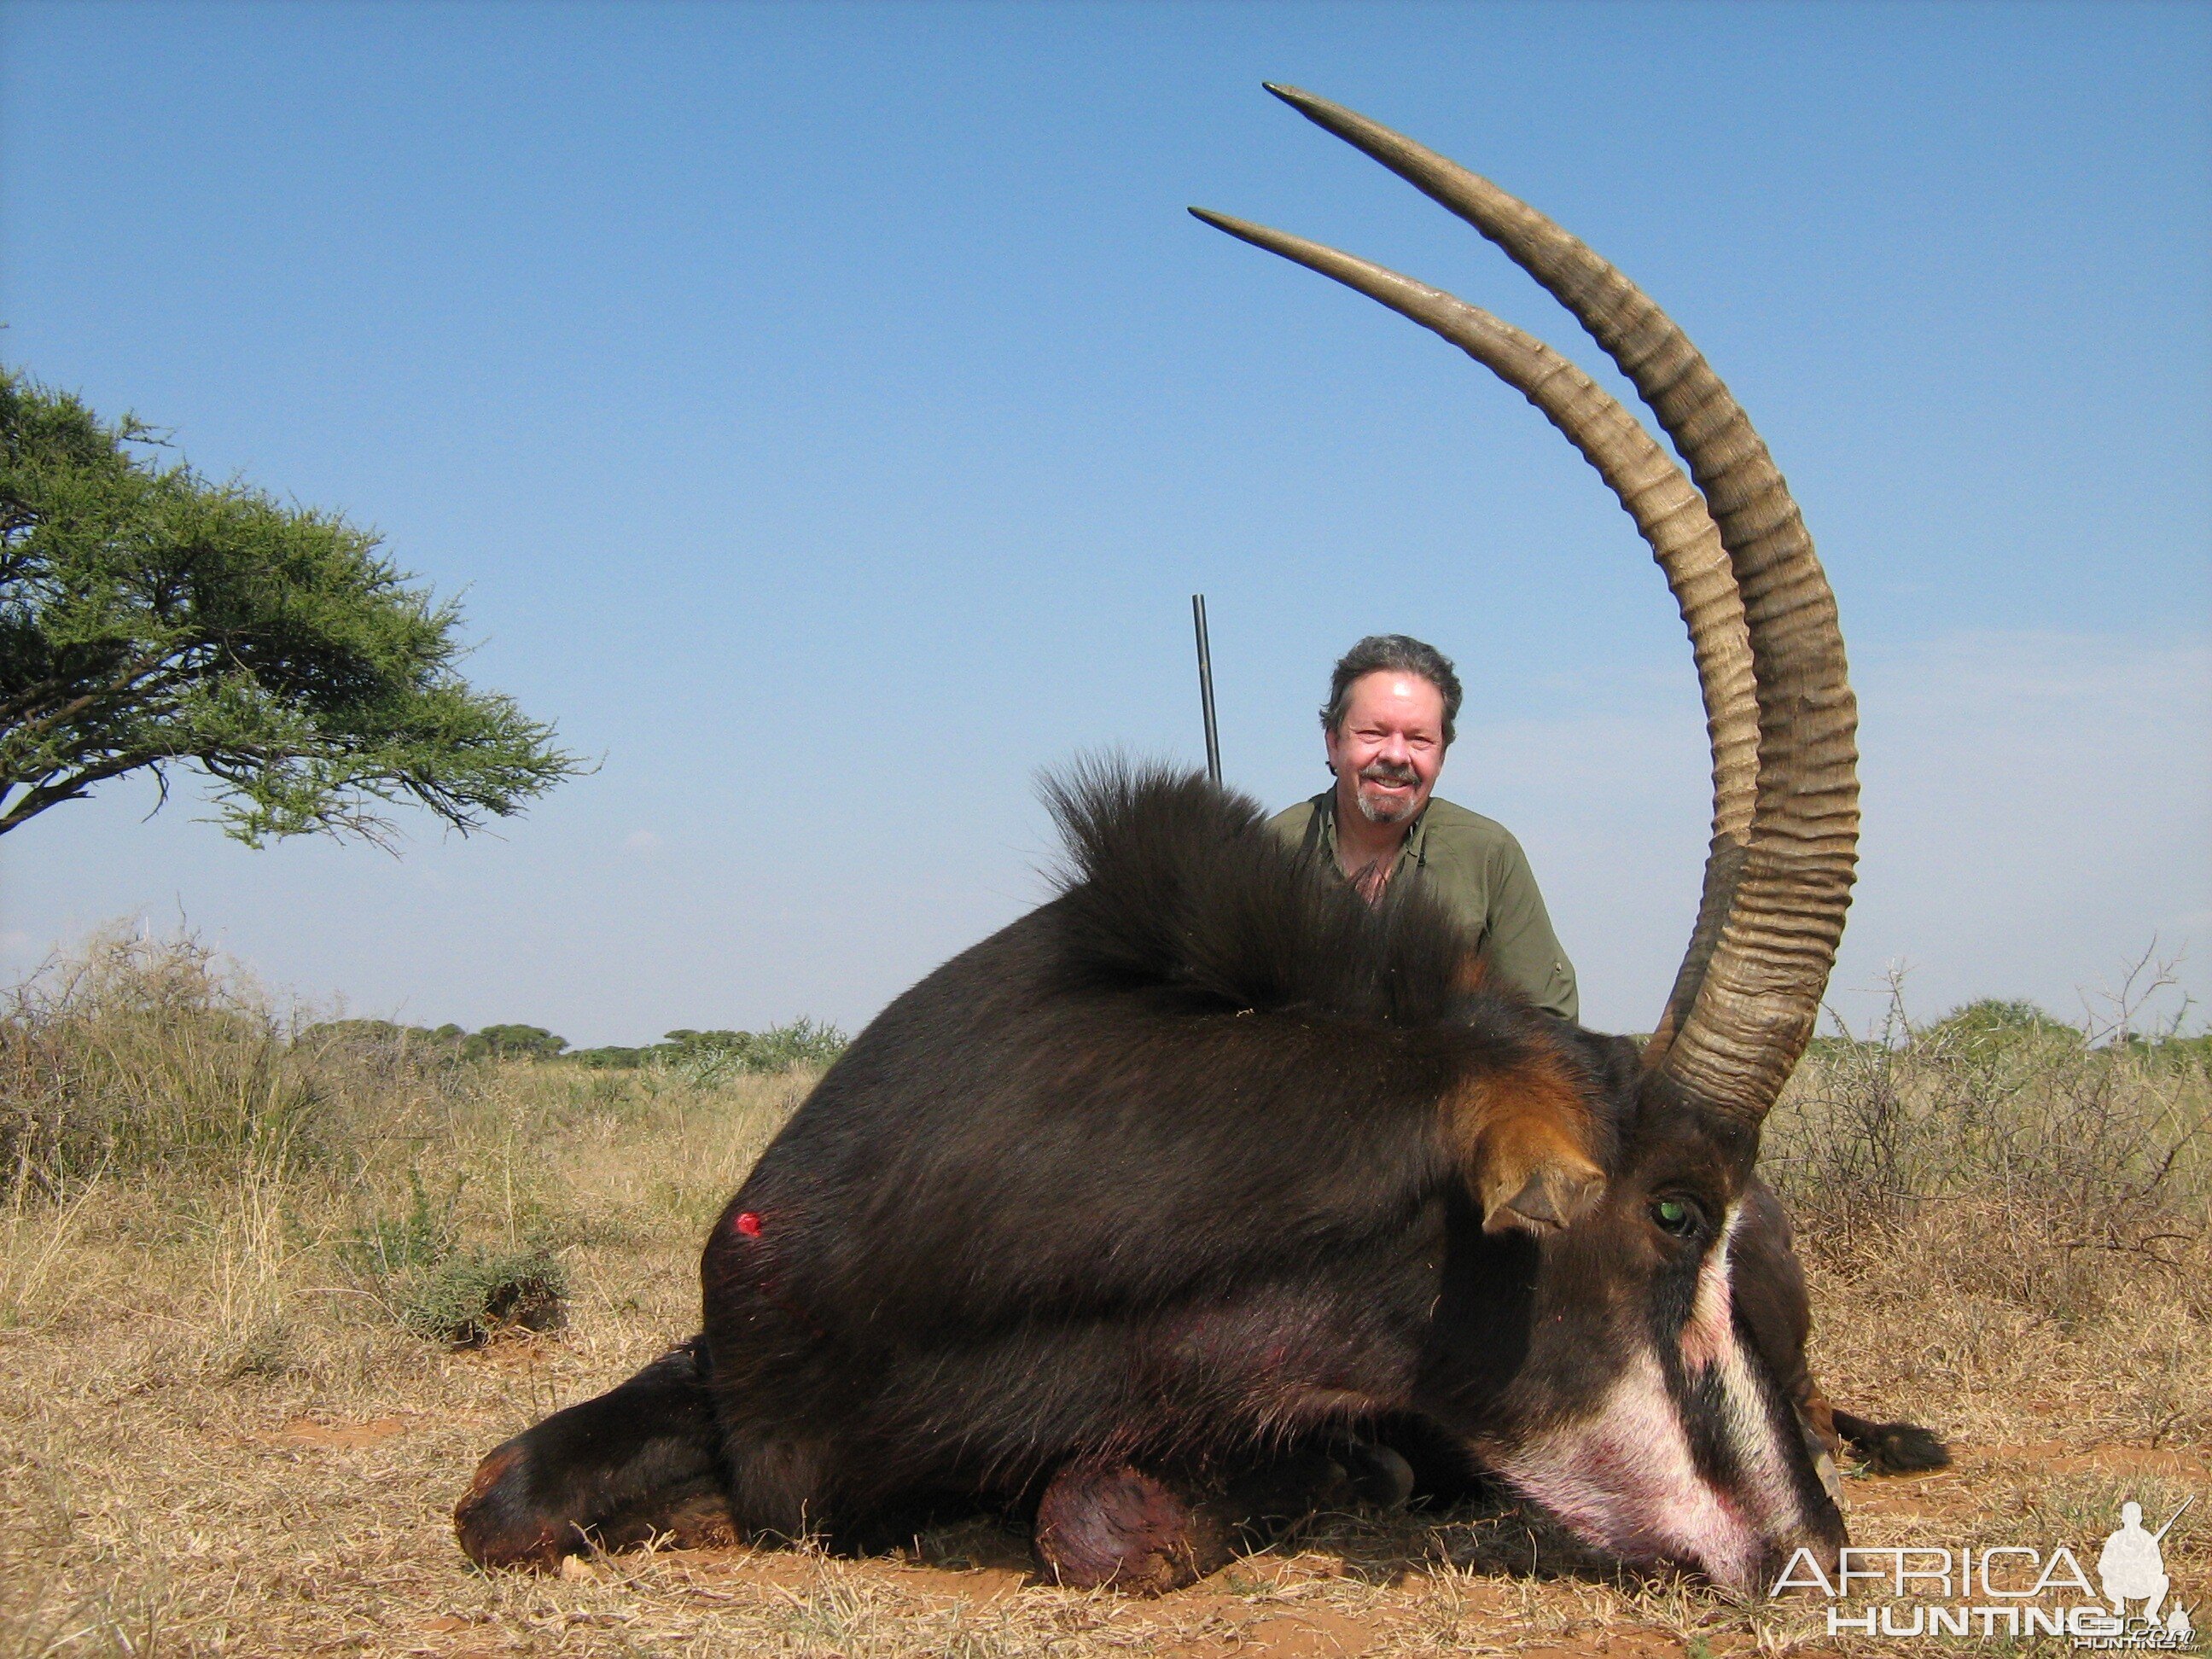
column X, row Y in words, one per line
column 1992, row 1023
column 513, row 1042
column 607, row 1059
column 710, row 1057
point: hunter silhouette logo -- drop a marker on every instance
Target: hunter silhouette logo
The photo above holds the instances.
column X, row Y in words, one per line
column 2009, row 1589
column 2131, row 1567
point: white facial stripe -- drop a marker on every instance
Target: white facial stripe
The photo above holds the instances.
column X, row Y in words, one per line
column 1625, row 1477
column 1709, row 1336
column 1748, row 1425
column 1768, row 1487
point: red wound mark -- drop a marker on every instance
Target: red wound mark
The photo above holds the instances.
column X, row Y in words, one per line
column 748, row 1224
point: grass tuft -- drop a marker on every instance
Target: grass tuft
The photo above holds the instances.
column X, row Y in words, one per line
column 472, row 1295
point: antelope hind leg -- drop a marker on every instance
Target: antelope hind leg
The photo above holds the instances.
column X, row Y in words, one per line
column 1115, row 1524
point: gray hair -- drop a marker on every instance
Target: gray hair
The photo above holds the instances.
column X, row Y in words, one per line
column 1398, row 653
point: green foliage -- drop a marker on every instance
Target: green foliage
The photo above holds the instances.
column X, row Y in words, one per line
column 700, row 1057
column 385, row 1039
column 444, row 1292
column 514, row 1043
column 609, row 1058
column 150, row 619
column 391, row 1246
column 2176, row 1054
column 798, row 1042
column 472, row 1295
column 444, row 1041
column 706, row 1058
column 1994, row 1023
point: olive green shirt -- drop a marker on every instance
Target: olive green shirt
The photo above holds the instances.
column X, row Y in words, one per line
column 1475, row 868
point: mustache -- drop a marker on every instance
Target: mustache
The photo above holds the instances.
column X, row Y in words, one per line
column 1389, row 772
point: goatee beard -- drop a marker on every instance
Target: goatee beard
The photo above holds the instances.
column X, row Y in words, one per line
column 1377, row 810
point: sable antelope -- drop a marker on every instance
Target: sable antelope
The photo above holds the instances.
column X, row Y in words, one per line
column 1204, row 1157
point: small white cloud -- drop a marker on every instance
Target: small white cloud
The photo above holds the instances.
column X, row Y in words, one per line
column 641, row 841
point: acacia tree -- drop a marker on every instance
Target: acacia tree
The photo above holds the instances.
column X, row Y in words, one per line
column 150, row 619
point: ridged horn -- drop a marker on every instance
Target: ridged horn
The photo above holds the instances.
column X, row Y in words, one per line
column 1738, row 1023
column 1668, row 510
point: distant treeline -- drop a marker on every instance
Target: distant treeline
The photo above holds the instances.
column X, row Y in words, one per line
column 1985, row 1027
column 1995, row 1025
column 704, row 1054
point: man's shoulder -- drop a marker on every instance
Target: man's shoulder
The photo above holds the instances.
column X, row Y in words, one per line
column 1454, row 826
column 1291, row 822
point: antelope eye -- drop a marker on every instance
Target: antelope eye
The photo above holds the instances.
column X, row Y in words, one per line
column 1677, row 1216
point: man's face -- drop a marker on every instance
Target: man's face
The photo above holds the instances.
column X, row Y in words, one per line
column 1389, row 748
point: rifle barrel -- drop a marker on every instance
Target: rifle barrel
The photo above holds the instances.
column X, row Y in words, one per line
column 1205, row 690
column 2175, row 1516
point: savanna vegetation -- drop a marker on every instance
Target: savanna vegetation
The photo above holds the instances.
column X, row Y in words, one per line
column 270, row 1286
column 699, row 1055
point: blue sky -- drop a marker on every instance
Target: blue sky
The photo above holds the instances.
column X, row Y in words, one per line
column 828, row 410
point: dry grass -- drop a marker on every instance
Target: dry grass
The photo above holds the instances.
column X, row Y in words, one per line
column 219, row 1432
column 2004, row 1219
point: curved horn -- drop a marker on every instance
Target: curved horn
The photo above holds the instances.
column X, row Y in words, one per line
column 1669, row 510
column 1755, row 1000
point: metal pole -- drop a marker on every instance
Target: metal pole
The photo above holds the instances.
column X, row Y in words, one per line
column 1205, row 690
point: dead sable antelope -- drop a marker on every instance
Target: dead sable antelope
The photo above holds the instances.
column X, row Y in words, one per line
column 1204, row 1161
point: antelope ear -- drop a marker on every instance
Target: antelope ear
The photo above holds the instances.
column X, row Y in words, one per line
column 1521, row 1135
column 1538, row 1190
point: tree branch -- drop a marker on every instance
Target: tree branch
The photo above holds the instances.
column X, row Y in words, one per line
column 71, row 788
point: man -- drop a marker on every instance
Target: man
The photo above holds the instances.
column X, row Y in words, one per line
column 1387, row 726
column 2131, row 1566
